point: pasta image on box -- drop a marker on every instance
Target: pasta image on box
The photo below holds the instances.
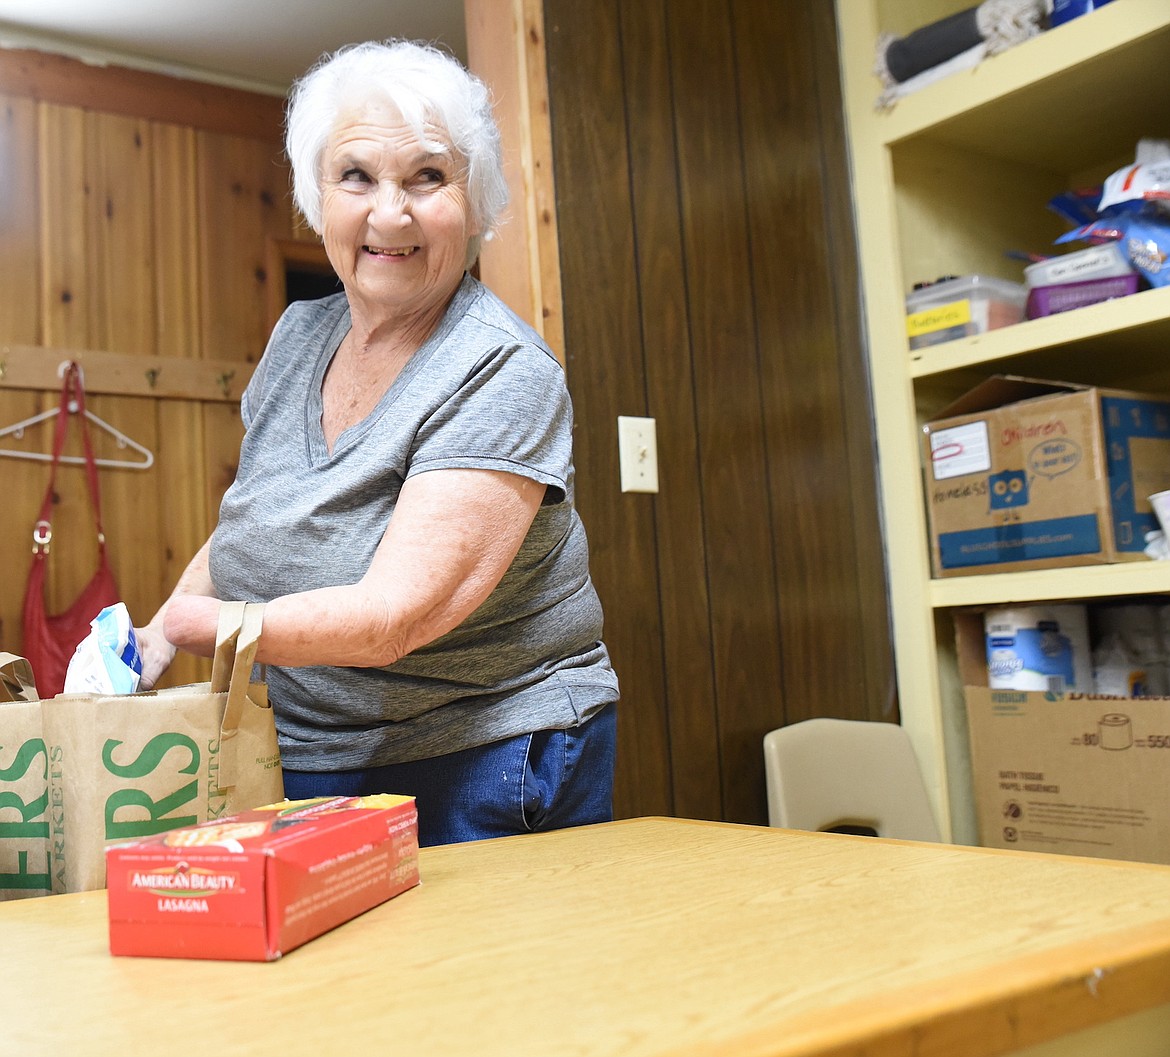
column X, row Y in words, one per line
column 253, row 886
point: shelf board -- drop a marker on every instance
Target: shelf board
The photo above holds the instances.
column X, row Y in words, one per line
column 1015, row 105
column 1040, row 585
column 1138, row 324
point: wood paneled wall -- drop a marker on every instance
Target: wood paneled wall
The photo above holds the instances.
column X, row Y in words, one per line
column 136, row 214
column 709, row 276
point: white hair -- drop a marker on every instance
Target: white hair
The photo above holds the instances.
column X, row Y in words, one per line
column 426, row 86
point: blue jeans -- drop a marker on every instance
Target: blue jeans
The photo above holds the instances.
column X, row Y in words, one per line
column 550, row 779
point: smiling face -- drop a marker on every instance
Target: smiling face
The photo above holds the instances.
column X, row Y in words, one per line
column 395, row 216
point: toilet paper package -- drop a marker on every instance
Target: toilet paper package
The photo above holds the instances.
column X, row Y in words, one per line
column 1038, row 648
column 1081, row 774
column 1073, row 772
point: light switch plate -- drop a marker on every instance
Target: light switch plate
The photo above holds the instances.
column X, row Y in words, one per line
column 638, row 454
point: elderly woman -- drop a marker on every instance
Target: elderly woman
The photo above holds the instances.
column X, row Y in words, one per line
column 404, row 498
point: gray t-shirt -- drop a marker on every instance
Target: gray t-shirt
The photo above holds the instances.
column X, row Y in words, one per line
column 483, row 392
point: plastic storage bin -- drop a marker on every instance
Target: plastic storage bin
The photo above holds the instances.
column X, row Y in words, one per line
column 1051, row 300
column 958, row 308
column 1106, row 261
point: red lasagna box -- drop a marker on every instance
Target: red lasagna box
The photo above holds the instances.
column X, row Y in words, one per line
column 253, row 886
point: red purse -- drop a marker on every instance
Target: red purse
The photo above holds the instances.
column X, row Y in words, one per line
column 50, row 639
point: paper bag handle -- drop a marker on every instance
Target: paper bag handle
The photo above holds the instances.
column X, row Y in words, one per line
column 16, row 679
column 247, row 643
column 237, row 638
column 227, row 633
column 236, row 641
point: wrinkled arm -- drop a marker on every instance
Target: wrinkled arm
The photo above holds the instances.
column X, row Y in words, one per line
column 451, row 539
column 156, row 650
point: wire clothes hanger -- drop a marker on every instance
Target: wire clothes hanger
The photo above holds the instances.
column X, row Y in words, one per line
column 16, row 430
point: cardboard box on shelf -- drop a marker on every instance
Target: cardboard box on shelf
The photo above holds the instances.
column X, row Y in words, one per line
column 1029, row 474
column 253, row 886
column 1074, row 773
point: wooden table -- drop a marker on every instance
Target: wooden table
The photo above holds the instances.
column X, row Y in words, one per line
column 651, row 936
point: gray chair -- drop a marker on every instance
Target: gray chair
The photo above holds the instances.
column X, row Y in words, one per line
column 847, row 775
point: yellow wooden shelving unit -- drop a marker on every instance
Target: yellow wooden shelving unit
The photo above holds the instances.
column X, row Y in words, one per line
column 945, row 182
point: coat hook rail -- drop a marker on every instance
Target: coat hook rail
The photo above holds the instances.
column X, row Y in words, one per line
column 115, row 374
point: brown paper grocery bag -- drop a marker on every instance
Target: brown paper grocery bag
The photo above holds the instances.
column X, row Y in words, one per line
column 135, row 764
column 24, row 785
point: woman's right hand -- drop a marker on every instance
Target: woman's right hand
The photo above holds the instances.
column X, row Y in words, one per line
column 156, row 653
column 155, row 647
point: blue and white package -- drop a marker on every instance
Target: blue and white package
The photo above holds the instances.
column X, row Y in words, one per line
column 1135, row 188
column 1145, row 238
column 1147, row 244
column 1038, row 648
column 107, row 660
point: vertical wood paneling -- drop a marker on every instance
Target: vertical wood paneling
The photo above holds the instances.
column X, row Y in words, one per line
column 877, row 698
column 243, row 199
column 122, row 299
column 809, row 417
column 689, row 674
column 66, row 298
column 768, row 560
column 520, row 262
column 186, row 515
column 243, row 187
column 19, row 323
column 121, row 255
column 176, row 231
column 64, row 211
column 18, row 218
column 604, row 363
column 733, row 463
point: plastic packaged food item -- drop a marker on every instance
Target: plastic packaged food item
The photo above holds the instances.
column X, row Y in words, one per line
column 1136, row 186
column 106, row 661
column 1078, row 205
column 957, row 308
column 1144, row 238
column 1147, row 242
column 1096, row 262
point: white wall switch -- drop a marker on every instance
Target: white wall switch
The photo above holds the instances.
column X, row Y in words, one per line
column 638, row 454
